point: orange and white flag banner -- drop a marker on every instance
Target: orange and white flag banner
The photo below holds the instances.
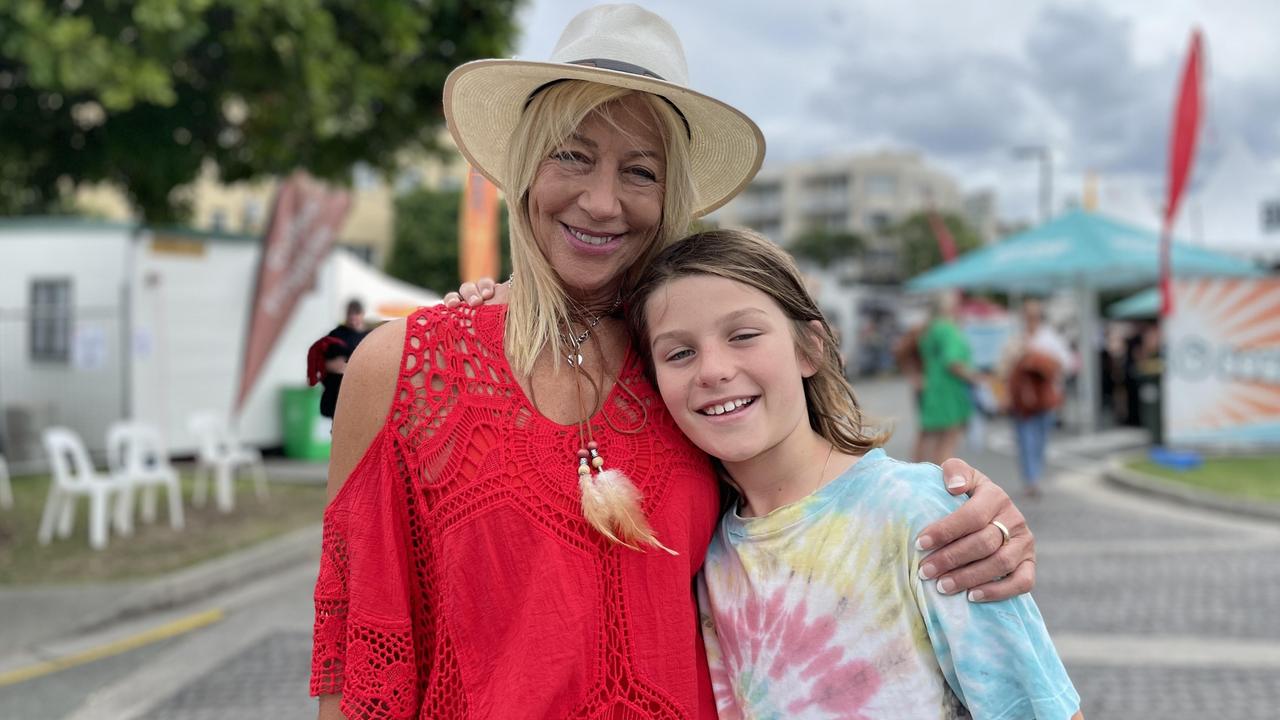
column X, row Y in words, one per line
column 478, row 229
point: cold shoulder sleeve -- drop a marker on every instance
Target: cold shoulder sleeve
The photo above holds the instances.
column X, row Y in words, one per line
column 363, row 639
column 368, row 594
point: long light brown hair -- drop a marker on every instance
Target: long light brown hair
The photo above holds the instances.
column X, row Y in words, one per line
column 745, row 257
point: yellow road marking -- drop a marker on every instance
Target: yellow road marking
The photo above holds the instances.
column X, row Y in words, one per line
column 156, row 634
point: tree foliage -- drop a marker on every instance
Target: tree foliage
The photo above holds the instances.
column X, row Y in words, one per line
column 425, row 249
column 143, row 92
column 918, row 246
column 824, row 246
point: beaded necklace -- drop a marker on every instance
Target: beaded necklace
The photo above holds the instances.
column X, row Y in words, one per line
column 610, row 502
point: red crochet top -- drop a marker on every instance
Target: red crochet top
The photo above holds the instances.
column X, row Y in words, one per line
column 458, row 577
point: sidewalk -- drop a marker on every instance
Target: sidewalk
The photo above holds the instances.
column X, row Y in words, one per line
column 44, row 622
column 37, row 617
column 1158, row 609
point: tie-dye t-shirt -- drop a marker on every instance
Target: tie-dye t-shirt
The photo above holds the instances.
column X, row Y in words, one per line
column 816, row 611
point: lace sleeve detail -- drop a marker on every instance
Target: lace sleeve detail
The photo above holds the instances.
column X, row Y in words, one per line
column 364, row 637
column 329, row 638
column 363, row 640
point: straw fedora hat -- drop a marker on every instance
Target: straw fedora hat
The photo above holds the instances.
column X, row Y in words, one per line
column 621, row 45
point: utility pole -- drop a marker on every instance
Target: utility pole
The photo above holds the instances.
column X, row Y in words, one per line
column 1042, row 154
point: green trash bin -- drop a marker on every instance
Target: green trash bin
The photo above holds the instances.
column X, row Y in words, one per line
column 306, row 432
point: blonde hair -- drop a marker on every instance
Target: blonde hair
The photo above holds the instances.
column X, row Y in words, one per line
column 754, row 261
column 538, row 304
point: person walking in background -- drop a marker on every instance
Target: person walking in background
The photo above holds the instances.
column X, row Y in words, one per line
column 328, row 356
column 945, row 398
column 1034, row 363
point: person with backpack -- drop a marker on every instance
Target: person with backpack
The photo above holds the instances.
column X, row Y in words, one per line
column 1035, row 362
column 327, row 358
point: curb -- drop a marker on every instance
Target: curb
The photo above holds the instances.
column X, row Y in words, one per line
column 1121, row 476
column 208, row 578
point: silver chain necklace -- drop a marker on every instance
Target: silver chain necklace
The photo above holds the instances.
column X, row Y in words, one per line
column 574, row 355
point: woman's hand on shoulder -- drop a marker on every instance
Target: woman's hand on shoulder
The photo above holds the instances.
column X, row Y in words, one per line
column 967, row 550
column 481, row 292
column 365, row 399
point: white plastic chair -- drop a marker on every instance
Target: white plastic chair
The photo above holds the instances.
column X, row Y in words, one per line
column 6, row 489
column 220, row 456
column 73, row 476
column 137, row 458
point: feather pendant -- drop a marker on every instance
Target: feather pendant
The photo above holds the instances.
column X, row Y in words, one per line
column 623, row 500
column 595, row 508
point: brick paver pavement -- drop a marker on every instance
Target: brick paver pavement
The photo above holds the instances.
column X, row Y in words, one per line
column 1159, row 612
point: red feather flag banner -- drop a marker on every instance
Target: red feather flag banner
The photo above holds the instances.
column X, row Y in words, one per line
column 1182, row 149
column 946, row 243
column 305, row 221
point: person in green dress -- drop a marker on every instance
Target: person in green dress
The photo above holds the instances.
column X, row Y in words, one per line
column 945, row 404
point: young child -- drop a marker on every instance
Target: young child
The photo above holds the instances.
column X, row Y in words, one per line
column 812, row 606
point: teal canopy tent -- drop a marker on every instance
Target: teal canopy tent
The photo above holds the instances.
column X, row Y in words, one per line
column 1075, row 249
column 1144, row 304
column 1084, row 252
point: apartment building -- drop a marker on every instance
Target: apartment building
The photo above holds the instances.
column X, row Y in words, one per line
column 862, row 193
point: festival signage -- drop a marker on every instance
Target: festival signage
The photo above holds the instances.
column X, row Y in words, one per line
column 305, row 221
column 1222, row 371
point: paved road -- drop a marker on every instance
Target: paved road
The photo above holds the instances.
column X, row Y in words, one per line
column 1158, row 612
column 253, row 662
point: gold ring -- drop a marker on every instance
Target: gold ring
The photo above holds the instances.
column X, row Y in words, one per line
column 1004, row 531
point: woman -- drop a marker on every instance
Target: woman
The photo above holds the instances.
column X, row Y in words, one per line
column 1032, row 364
column 515, row 519
column 945, row 404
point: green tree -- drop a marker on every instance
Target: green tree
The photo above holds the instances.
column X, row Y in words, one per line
column 425, row 248
column 824, row 246
column 143, row 92
column 918, row 246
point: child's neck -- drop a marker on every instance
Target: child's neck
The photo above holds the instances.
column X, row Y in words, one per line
column 791, row 470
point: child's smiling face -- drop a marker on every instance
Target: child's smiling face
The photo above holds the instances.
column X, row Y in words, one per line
column 727, row 365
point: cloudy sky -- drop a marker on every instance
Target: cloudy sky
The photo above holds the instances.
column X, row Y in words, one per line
column 965, row 82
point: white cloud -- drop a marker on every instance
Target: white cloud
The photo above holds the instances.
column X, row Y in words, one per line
column 965, row 82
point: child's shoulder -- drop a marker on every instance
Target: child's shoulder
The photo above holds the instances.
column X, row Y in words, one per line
column 913, row 489
column 889, row 470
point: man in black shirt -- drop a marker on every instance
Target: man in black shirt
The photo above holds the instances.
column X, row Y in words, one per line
column 337, row 352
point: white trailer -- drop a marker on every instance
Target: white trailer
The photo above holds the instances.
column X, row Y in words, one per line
column 102, row 321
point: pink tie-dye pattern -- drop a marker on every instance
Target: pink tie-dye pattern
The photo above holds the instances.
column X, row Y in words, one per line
column 797, row 645
column 844, row 688
column 723, row 688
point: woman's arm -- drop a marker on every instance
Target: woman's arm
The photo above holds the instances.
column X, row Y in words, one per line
column 365, row 399
column 962, row 371
column 363, row 403
column 329, row 708
column 969, row 554
column 968, row 551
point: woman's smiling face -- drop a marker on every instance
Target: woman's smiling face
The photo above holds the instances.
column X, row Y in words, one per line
column 596, row 201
